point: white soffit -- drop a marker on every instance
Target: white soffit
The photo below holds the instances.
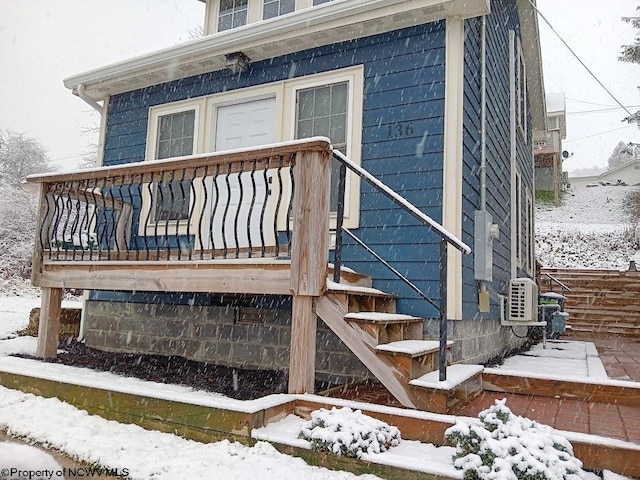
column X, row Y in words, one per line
column 312, row 27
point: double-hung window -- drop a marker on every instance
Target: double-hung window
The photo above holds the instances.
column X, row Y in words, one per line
column 275, row 8
column 232, row 14
column 175, row 138
column 322, row 111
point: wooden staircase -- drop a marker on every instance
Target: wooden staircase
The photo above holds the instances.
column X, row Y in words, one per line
column 391, row 346
column 600, row 301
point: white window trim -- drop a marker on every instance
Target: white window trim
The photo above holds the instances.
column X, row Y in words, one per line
column 518, row 233
column 521, row 89
column 530, row 237
column 285, row 95
column 354, row 76
column 168, row 227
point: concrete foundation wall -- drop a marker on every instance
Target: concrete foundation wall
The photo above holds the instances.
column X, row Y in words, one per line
column 239, row 336
column 251, row 337
column 477, row 341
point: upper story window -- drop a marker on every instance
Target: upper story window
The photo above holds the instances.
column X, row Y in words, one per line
column 232, row 14
column 318, row 2
column 275, row 8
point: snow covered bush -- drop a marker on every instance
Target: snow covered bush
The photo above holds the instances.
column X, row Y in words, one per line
column 504, row 446
column 347, row 432
column 17, row 233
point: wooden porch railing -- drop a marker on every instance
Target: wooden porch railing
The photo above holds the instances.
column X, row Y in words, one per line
column 254, row 221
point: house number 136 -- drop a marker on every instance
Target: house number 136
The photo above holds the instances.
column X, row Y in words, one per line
column 399, row 130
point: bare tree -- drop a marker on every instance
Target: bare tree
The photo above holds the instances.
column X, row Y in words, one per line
column 20, row 156
column 631, row 53
column 622, row 153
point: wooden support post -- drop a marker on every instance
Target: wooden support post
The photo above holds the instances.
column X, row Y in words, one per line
column 310, row 242
column 309, row 250
column 302, row 362
column 49, row 328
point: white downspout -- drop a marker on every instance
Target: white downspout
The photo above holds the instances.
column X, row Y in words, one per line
column 85, row 294
column 512, row 150
column 87, row 99
column 483, row 125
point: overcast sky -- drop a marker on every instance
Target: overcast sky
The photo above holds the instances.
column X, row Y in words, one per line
column 44, row 41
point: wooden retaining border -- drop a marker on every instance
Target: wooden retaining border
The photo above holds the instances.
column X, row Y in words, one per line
column 235, row 420
column 600, row 390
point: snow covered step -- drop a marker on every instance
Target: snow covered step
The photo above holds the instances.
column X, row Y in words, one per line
column 381, row 317
column 463, row 383
column 412, row 348
column 385, row 328
column 412, row 358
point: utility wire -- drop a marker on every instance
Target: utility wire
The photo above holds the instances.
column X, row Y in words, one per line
column 579, row 60
column 597, row 134
column 600, row 110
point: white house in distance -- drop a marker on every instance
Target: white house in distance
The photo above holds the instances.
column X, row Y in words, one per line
column 628, row 173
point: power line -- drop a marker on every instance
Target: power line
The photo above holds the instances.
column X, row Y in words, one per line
column 590, row 103
column 579, row 60
column 600, row 110
column 597, row 134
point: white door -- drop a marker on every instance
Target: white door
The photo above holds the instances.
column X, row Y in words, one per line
column 242, row 125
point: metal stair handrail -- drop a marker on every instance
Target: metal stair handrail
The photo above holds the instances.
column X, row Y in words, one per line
column 446, row 239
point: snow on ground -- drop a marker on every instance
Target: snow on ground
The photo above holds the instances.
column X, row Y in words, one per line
column 589, row 230
column 25, row 458
column 151, row 454
column 142, row 454
column 567, row 359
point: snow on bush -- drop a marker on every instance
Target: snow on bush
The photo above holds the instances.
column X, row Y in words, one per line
column 347, row 432
column 17, row 232
column 504, row 446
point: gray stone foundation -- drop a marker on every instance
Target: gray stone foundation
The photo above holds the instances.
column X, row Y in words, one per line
column 231, row 335
column 251, row 337
column 478, row 340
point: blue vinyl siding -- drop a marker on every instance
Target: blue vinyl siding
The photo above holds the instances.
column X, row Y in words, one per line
column 503, row 17
column 404, row 83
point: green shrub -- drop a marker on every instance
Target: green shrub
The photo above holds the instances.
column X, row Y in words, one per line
column 503, row 446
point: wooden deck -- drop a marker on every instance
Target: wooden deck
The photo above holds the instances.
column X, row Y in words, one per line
column 94, row 226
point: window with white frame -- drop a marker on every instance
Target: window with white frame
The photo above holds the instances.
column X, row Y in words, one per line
column 318, row 2
column 529, row 238
column 518, row 232
column 232, row 14
column 327, row 104
column 521, row 90
column 275, row 8
column 322, row 111
column 175, row 137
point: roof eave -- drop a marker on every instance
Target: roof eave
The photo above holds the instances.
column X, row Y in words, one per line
column 345, row 19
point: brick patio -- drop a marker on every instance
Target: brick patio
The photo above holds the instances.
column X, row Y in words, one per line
column 621, row 359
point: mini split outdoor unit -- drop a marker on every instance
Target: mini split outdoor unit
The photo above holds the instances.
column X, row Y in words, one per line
column 522, row 302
